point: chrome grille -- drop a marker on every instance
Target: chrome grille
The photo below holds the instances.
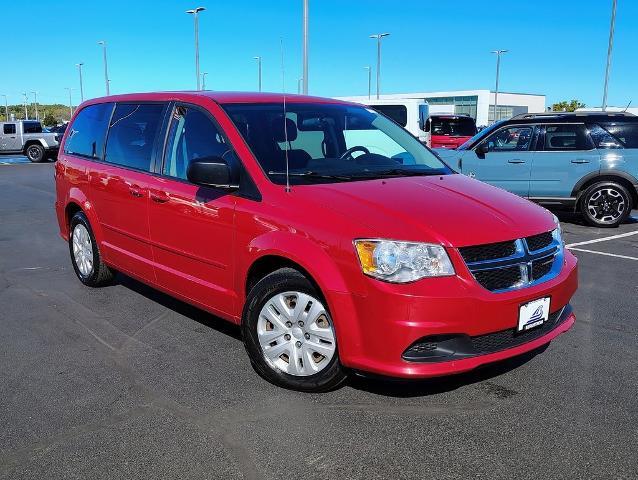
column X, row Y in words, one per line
column 520, row 263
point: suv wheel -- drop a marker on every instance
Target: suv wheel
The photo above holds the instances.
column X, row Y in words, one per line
column 289, row 334
column 35, row 153
column 605, row 204
column 85, row 254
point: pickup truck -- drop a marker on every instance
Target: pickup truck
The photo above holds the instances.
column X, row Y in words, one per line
column 27, row 137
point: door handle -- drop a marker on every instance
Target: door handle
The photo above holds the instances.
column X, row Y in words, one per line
column 516, row 160
column 580, row 160
column 135, row 191
column 159, row 197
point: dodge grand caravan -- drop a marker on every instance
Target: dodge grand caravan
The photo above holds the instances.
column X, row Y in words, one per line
column 332, row 236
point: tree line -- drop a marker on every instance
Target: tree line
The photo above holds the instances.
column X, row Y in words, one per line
column 49, row 114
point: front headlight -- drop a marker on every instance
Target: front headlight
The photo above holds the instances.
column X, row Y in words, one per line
column 401, row 262
column 557, row 233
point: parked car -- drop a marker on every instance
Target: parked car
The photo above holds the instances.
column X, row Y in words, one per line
column 331, row 254
column 410, row 113
column 28, row 138
column 586, row 162
column 449, row 130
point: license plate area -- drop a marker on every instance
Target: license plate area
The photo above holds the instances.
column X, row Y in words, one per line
column 533, row 314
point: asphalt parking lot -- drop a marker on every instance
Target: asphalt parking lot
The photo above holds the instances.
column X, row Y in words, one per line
column 125, row 382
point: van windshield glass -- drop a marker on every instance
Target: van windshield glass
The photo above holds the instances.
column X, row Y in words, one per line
column 330, row 143
column 453, row 126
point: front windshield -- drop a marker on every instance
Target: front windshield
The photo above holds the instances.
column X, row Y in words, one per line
column 330, row 143
column 480, row 135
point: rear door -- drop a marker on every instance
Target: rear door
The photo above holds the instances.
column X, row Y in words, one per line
column 120, row 186
column 565, row 154
column 508, row 161
column 192, row 227
column 10, row 140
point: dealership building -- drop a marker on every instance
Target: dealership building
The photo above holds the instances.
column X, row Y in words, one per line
column 479, row 104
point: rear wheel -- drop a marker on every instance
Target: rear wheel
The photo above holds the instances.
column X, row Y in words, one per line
column 606, row 204
column 35, row 153
column 289, row 333
column 85, row 254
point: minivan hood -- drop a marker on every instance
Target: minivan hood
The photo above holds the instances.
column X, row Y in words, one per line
column 452, row 210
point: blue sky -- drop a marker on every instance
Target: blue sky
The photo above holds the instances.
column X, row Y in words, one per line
column 557, row 47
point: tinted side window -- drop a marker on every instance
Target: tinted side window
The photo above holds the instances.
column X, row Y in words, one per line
column 627, row 133
column 398, row 113
column 132, row 134
column 9, row 128
column 510, row 139
column 192, row 136
column 566, row 137
column 87, row 134
column 31, row 127
column 602, row 138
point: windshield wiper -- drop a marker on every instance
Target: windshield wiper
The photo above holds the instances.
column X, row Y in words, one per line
column 399, row 172
column 311, row 174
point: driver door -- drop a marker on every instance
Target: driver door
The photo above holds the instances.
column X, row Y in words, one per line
column 504, row 159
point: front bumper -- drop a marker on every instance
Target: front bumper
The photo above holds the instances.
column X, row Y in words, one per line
column 375, row 330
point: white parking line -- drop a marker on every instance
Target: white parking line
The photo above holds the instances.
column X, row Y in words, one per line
column 604, row 253
column 604, row 239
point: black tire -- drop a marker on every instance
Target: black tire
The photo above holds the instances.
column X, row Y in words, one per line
column 35, row 152
column 283, row 280
column 605, row 204
column 100, row 274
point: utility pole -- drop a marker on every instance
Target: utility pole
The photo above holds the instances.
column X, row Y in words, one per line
column 369, row 69
column 35, row 100
column 258, row 72
column 498, row 69
column 204, row 80
column 26, row 112
column 79, row 65
column 305, row 47
column 195, row 13
column 70, row 103
column 379, row 36
column 609, row 49
column 106, row 69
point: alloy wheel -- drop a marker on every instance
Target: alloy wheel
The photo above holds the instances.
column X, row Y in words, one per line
column 82, row 250
column 295, row 333
column 33, row 153
column 606, row 205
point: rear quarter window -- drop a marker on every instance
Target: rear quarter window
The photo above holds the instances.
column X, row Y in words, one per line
column 626, row 133
column 9, row 128
column 88, row 131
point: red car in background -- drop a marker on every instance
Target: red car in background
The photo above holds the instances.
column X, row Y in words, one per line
column 330, row 234
column 449, row 130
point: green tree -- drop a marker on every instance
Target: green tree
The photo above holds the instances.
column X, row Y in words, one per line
column 49, row 120
column 566, row 106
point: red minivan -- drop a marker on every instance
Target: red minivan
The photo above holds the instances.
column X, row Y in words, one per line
column 449, row 130
column 330, row 234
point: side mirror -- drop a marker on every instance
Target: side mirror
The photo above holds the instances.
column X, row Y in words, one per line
column 213, row 172
column 482, row 149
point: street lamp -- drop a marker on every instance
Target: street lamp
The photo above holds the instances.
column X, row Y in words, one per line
column 379, row 36
column 204, row 80
column 106, row 70
column 79, row 65
column 305, row 47
column 195, row 13
column 6, row 107
column 35, row 100
column 299, row 85
column 498, row 69
column 70, row 102
column 369, row 69
column 26, row 112
column 609, row 49
column 258, row 72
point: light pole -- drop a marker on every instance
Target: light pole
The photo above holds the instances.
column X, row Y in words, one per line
column 498, row 69
column 299, row 86
column 70, row 102
column 35, row 100
column 195, row 13
column 79, row 65
column 204, row 80
column 258, row 72
column 379, row 36
column 369, row 69
column 609, row 49
column 106, row 69
column 6, row 107
column 26, row 112
column 305, row 47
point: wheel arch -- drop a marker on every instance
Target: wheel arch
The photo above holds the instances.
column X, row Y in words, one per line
column 77, row 202
column 623, row 178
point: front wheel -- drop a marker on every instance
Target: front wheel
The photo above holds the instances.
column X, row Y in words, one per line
column 35, row 153
column 605, row 204
column 289, row 333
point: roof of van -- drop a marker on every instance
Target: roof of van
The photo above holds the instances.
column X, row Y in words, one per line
column 219, row 97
